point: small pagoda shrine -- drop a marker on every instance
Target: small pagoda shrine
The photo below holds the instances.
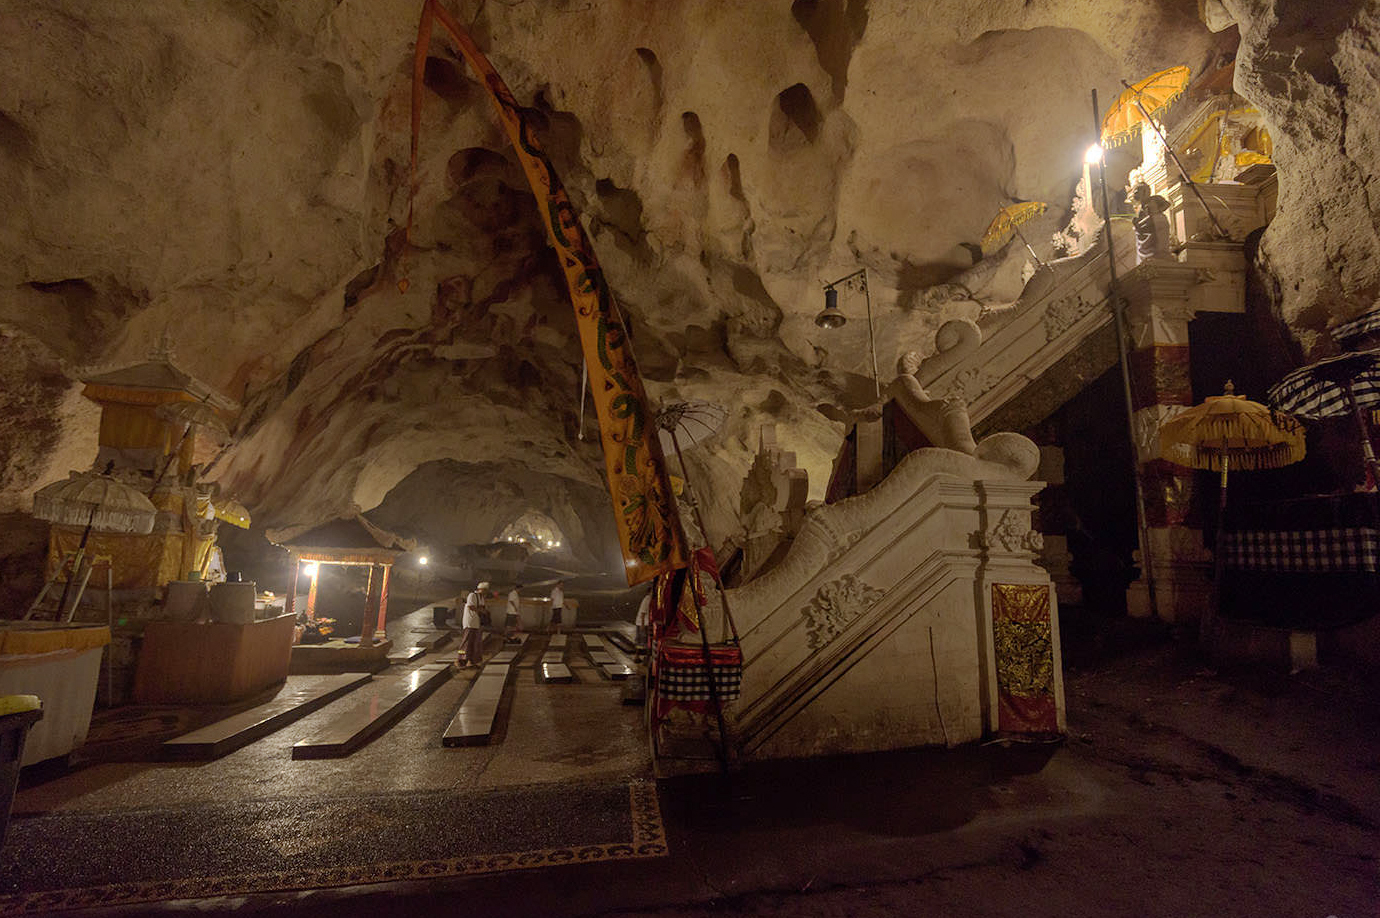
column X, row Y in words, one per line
column 351, row 542
column 154, row 447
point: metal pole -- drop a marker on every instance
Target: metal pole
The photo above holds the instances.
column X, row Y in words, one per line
column 704, row 629
column 847, row 281
column 1119, row 321
column 1183, row 173
column 1028, row 247
column 871, row 341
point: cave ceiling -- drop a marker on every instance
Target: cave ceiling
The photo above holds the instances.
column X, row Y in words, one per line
column 231, row 177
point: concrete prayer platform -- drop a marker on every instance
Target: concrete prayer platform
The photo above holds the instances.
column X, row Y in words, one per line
column 604, row 659
column 474, row 722
column 553, row 667
column 298, row 698
column 406, row 655
column 373, row 715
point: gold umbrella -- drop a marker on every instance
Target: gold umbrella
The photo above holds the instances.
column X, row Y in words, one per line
column 1140, row 102
column 231, row 511
column 1226, row 430
column 1007, row 223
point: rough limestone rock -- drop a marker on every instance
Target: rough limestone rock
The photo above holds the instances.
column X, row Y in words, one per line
column 233, row 176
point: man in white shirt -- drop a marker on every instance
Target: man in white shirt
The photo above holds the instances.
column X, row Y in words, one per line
column 471, row 638
column 510, row 614
column 644, row 618
column 557, row 606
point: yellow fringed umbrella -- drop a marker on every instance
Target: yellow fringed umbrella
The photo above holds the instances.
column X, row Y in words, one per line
column 1231, row 430
column 1007, row 223
column 1140, row 101
column 231, row 511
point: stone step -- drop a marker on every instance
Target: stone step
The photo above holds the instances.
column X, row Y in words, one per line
column 405, row 655
column 239, row 730
column 394, row 698
column 556, row 672
column 510, row 652
column 602, row 656
column 474, row 723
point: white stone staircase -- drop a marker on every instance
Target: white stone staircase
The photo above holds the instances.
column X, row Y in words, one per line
column 1059, row 309
column 875, row 631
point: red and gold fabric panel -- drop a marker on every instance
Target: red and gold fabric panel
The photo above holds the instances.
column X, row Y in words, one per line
column 644, row 508
column 1025, row 658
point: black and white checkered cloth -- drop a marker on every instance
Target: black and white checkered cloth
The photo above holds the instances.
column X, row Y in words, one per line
column 686, row 684
column 1311, row 550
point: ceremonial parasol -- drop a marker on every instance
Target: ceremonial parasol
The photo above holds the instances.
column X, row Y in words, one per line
column 1227, row 430
column 191, row 414
column 1008, row 222
column 1138, row 105
column 96, row 501
column 1331, row 388
column 231, row 511
column 683, row 424
column 1140, row 101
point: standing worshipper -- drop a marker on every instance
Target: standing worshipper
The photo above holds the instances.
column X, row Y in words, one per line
column 510, row 614
column 557, row 606
column 644, row 617
column 472, row 638
column 1150, row 223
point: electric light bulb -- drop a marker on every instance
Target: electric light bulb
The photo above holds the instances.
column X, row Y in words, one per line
column 1094, row 155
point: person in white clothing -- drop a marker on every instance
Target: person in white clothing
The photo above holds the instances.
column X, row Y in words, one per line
column 557, row 606
column 644, row 618
column 510, row 614
column 471, row 638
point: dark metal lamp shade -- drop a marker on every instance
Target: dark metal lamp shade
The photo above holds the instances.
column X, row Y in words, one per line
column 830, row 317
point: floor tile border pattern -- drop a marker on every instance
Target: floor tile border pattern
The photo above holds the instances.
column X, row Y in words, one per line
column 648, row 841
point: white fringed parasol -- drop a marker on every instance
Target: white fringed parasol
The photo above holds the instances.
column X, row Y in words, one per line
column 97, row 501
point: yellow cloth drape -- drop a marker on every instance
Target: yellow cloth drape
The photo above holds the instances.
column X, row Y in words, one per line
column 18, row 639
column 644, row 508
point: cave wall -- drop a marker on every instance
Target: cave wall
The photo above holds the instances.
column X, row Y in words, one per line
column 232, row 177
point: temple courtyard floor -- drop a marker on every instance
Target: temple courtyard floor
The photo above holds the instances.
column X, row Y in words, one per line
column 1179, row 791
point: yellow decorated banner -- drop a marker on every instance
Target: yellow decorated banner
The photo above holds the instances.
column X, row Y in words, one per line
column 644, row 508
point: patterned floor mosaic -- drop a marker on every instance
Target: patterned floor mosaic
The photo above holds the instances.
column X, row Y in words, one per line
column 594, row 822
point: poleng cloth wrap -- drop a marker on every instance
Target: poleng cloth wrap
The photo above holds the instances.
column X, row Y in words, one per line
column 644, row 509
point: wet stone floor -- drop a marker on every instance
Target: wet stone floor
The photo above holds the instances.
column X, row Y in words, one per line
column 1179, row 791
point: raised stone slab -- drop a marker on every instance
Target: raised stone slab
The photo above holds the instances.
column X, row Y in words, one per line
column 428, row 639
column 474, row 722
column 395, row 697
column 622, row 642
column 510, row 652
column 601, row 656
column 405, row 655
column 556, row 672
column 239, row 730
column 553, row 668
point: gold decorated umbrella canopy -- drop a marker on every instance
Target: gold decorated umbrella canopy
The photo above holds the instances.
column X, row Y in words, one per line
column 1138, row 105
column 1007, row 223
column 1140, row 102
column 229, row 510
column 1231, row 430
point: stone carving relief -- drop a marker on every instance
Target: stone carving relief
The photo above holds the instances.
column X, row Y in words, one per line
column 971, row 383
column 1012, row 532
column 834, row 607
column 1061, row 316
